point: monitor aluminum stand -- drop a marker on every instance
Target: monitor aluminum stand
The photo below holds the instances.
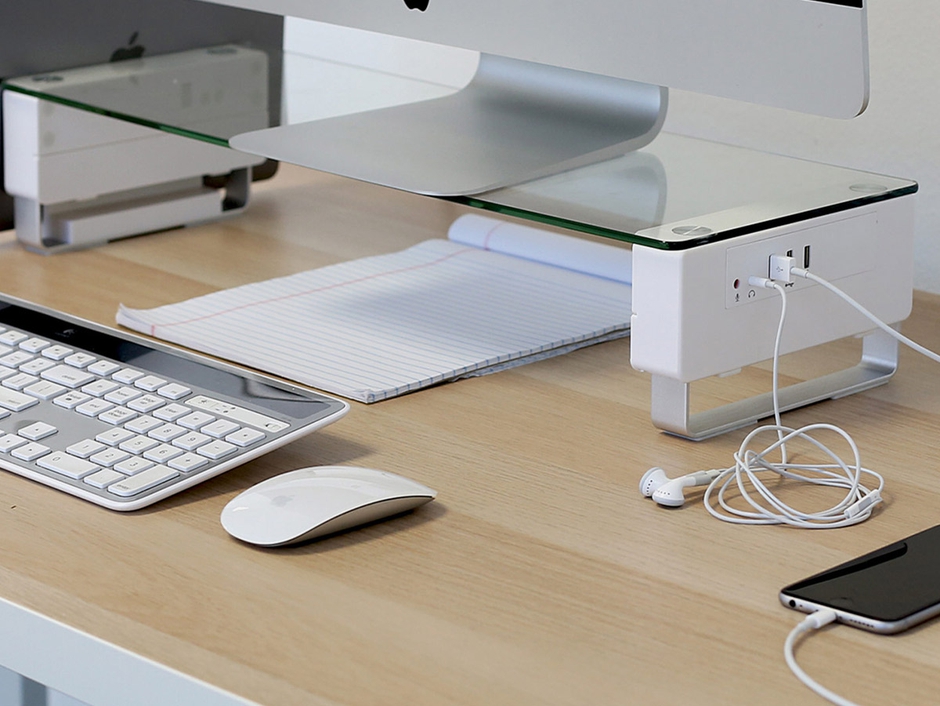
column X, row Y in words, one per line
column 515, row 121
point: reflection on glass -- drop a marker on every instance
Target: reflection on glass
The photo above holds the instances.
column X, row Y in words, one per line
column 680, row 191
column 676, row 192
column 209, row 94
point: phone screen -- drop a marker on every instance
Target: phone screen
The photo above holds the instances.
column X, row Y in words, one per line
column 888, row 590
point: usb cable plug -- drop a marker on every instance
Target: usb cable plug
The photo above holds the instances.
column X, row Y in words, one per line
column 780, row 268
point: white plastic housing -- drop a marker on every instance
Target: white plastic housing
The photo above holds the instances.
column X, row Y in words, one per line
column 690, row 321
column 54, row 153
column 81, row 178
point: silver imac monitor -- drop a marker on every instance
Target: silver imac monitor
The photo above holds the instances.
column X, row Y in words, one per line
column 563, row 83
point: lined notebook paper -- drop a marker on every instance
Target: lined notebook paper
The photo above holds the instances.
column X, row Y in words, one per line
column 491, row 296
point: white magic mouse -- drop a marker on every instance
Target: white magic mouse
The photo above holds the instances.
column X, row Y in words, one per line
column 312, row 502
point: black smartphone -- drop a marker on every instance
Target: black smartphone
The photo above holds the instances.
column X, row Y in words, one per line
column 885, row 591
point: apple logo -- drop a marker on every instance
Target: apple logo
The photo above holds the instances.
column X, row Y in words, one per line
column 131, row 51
column 417, row 4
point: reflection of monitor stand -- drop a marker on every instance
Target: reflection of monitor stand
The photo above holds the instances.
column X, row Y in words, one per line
column 112, row 179
column 80, row 178
column 515, row 121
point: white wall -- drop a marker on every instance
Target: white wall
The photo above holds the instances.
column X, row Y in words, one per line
column 898, row 135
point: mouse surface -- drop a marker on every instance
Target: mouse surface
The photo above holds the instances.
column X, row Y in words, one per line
column 301, row 505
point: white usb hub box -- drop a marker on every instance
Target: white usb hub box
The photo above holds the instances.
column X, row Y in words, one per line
column 695, row 315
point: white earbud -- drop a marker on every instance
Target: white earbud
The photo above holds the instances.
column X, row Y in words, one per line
column 670, row 491
column 654, row 478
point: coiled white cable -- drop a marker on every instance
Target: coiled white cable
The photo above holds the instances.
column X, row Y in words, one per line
column 855, row 507
column 766, row 508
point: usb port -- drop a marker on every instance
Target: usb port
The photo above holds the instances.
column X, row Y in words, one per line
column 806, row 257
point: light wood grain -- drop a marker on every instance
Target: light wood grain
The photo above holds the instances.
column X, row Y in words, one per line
column 539, row 576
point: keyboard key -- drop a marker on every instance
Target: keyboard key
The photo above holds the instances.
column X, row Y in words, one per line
column 117, row 416
column 36, row 366
column 99, row 387
column 146, row 403
column 44, row 390
column 115, row 436
column 15, row 401
column 68, row 376
column 103, row 478
column 138, row 444
column 245, row 437
column 173, row 391
column 127, row 375
column 30, row 451
column 123, row 395
column 33, row 345
column 133, row 465
column 171, row 412
column 93, row 407
column 216, row 450
column 16, row 359
column 109, row 457
column 150, row 383
column 56, row 352
column 142, row 425
column 194, row 420
column 188, row 462
column 8, row 442
column 80, row 360
column 19, row 381
column 103, row 367
column 12, row 338
column 85, row 448
column 37, row 431
column 166, row 432
column 219, row 428
column 71, row 400
column 163, row 453
column 191, row 441
column 142, row 481
column 66, row 465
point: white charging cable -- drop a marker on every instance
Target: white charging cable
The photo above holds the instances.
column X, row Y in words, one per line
column 806, row 274
column 766, row 508
column 814, row 621
column 824, row 617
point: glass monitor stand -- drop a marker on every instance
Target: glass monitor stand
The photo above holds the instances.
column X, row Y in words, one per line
column 671, row 193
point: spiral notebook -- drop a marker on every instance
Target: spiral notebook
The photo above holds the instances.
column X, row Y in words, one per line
column 492, row 296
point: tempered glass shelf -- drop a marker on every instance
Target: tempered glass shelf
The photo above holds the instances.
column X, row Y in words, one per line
column 675, row 193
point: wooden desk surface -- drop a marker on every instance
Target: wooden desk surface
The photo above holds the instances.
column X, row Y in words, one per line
column 539, row 576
